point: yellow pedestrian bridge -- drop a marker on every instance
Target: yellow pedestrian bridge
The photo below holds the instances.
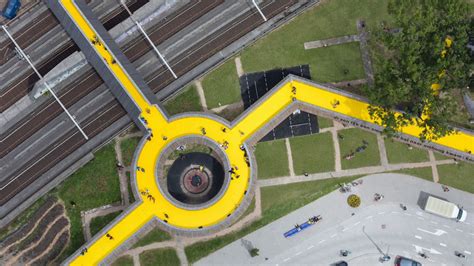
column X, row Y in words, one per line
column 293, row 93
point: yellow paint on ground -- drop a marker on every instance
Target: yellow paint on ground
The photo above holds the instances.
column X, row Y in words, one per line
column 165, row 132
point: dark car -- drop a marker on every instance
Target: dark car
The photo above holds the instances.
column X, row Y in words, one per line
column 402, row 261
column 340, row 263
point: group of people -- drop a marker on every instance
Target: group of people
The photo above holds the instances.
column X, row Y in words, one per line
column 359, row 149
column 148, row 195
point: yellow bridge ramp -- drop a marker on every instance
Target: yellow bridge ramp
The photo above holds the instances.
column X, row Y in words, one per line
column 165, row 131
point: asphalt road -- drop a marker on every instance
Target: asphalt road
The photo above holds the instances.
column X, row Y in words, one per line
column 375, row 228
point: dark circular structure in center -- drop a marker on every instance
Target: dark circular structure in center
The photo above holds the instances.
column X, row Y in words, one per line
column 195, row 178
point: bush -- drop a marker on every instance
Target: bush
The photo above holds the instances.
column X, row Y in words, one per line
column 353, row 201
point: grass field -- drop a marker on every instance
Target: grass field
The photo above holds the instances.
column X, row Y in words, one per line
column 100, row 222
column 128, row 147
column 459, row 176
column 221, row 86
column 324, row 122
column 94, row 185
column 186, row 101
column 353, row 138
column 398, row 152
column 158, row 257
column 312, row 153
column 276, row 202
column 284, row 47
column 424, row 172
column 123, row 261
column 155, row 235
column 272, row 160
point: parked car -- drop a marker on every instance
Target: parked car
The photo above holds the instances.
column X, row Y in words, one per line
column 402, row 261
column 11, row 9
column 445, row 209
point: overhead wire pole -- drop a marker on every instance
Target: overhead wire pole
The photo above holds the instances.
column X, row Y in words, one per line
column 44, row 81
column 259, row 10
column 148, row 39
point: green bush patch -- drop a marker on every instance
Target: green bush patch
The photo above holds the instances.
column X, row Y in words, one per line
column 312, row 153
column 272, row 159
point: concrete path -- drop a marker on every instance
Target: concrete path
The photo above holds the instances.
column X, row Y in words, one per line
column 351, row 172
column 200, row 91
column 343, row 227
column 238, row 66
column 290, row 157
column 337, row 150
column 330, row 42
column 364, row 49
column 434, row 169
column 382, row 150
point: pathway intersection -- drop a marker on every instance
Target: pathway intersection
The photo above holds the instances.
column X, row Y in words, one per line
column 162, row 131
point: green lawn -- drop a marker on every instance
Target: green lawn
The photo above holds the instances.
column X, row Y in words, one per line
column 100, row 222
column 276, row 202
column 128, row 147
column 94, row 185
column 272, row 159
column 155, row 235
column 353, row 138
column 324, row 122
column 123, row 261
column 284, row 47
column 438, row 156
column 165, row 257
column 459, row 176
column 186, row 101
column 398, row 152
column 313, row 153
column 424, row 172
column 221, row 86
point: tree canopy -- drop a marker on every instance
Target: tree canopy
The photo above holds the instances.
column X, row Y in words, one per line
column 428, row 47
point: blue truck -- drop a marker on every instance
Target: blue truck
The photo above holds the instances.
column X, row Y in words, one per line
column 11, row 9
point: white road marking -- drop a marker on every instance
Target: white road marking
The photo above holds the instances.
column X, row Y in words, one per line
column 446, row 226
column 287, row 259
column 430, row 250
column 381, row 212
column 419, row 237
column 369, row 217
column 356, row 223
column 395, row 212
column 299, row 253
column 467, row 252
column 471, row 234
column 345, row 229
column 438, row 232
column 310, row 247
column 468, row 223
column 321, row 241
column 433, row 222
column 407, row 214
column 333, row 236
column 442, row 244
column 459, row 230
column 420, row 218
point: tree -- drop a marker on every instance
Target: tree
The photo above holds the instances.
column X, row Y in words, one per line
column 430, row 48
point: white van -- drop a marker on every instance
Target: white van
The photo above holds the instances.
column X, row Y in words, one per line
column 445, row 208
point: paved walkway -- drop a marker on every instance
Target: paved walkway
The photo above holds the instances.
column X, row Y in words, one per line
column 290, row 157
column 330, row 42
column 434, row 169
column 351, row 172
column 238, row 66
column 200, row 91
column 382, row 150
column 364, row 49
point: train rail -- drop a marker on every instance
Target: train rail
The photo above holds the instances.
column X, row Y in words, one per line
column 113, row 111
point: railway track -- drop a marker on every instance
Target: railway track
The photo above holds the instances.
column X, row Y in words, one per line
column 90, row 80
column 113, row 111
column 20, row 86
